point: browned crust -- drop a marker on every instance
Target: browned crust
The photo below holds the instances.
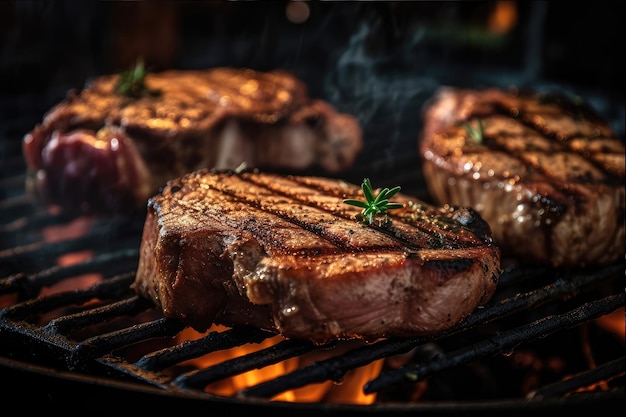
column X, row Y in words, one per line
column 216, row 118
column 548, row 176
column 293, row 250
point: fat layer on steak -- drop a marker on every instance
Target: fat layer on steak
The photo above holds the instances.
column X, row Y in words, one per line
column 547, row 175
column 99, row 151
column 285, row 253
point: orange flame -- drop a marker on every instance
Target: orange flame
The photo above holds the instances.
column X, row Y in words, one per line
column 614, row 323
column 74, row 229
column 348, row 391
column 503, row 18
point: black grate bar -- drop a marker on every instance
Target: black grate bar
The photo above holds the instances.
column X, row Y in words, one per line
column 335, row 368
column 112, row 262
column 109, row 288
column 15, row 206
column 330, row 369
column 502, row 342
column 600, row 373
column 15, row 182
column 255, row 360
column 512, row 275
column 129, row 306
column 191, row 349
column 35, row 221
column 524, row 301
column 97, row 346
column 98, row 238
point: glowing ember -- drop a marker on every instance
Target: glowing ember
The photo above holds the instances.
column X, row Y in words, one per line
column 347, row 391
column 58, row 233
column 614, row 323
column 503, row 17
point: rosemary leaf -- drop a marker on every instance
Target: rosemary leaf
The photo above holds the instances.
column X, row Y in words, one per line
column 374, row 205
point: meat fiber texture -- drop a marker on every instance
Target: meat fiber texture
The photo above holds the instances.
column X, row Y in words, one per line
column 284, row 253
column 546, row 174
column 99, row 151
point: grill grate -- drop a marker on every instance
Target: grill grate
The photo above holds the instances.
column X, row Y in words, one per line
column 103, row 332
column 69, row 330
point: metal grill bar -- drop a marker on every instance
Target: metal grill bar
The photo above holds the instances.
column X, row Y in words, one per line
column 274, row 354
column 100, row 345
column 111, row 262
column 22, row 224
column 99, row 238
column 191, row 349
column 502, row 342
column 129, row 306
column 583, row 379
column 89, row 331
column 335, row 368
column 108, row 289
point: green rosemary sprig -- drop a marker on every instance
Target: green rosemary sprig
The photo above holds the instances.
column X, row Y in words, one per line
column 132, row 82
column 476, row 134
column 374, row 206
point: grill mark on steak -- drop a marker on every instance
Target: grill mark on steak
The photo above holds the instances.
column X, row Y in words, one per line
column 98, row 151
column 555, row 143
column 562, row 162
column 251, row 202
column 560, row 141
column 420, row 217
column 403, row 233
column 417, row 225
column 283, row 252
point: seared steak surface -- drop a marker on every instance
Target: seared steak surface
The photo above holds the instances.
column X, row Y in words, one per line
column 285, row 253
column 547, row 174
column 100, row 151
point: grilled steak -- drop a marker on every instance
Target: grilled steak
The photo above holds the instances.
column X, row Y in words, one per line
column 102, row 151
column 284, row 253
column 547, row 173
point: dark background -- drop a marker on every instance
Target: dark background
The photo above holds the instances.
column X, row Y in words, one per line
column 57, row 45
column 380, row 61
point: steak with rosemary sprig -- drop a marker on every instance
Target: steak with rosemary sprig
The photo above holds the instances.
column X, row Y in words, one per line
column 284, row 253
column 543, row 170
column 110, row 146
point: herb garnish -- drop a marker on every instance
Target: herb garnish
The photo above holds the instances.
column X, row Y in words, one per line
column 374, row 205
column 476, row 134
column 132, row 82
